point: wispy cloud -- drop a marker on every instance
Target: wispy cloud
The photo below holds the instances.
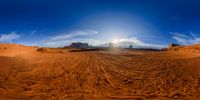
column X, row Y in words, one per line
column 74, row 34
column 131, row 40
column 186, row 39
column 137, row 43
column 84, row 36
column 33, row 32
column 9, row 37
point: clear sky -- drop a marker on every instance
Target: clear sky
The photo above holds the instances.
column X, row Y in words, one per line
column 60, row 22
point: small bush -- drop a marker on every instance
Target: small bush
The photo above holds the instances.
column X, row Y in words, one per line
column 40, row 49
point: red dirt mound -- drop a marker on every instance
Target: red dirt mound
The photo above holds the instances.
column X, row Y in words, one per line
column 186, row 50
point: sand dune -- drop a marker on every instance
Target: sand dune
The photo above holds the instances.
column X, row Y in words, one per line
column 191, row 50
column 29, row 73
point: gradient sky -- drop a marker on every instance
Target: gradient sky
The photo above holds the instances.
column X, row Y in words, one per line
column 60, row 22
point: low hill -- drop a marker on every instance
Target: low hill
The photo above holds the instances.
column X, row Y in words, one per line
column 190, row 49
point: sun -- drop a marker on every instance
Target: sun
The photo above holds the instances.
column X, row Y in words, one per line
column 115, row 41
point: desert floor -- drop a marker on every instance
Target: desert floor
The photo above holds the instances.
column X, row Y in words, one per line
column 29, row 74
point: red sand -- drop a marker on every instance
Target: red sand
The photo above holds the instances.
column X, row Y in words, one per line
column 26, row 73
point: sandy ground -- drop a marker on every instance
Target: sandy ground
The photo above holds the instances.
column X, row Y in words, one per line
column 28, row 74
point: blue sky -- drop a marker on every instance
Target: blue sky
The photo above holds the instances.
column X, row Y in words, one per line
column 140, row 22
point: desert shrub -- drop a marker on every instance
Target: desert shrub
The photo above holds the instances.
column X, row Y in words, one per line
column 40, row 49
